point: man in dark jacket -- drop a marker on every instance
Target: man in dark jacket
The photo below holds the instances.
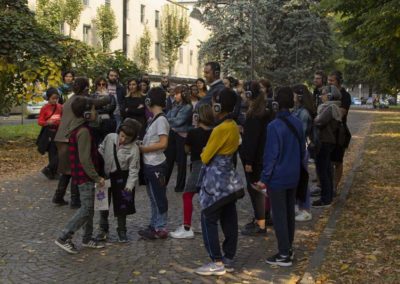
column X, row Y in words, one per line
column 118, row 91
column 319, row 82
column 212, row 71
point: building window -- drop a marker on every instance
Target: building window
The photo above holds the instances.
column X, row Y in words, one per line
column 86, row 2
column 107, row 2
column 181, row 55
column 157, row 50
column 142, row 11
column 191, row 57
column 86, row 33
column 157, row 22
column 62, row 29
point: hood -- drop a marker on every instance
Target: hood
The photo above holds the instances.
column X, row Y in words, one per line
column 334, row 105
column 75, row 123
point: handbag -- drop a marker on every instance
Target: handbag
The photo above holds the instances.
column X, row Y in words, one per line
column 123, row 200
column 302, row 186
column 46, row 135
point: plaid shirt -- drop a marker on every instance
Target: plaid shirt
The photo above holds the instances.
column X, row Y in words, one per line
column 77, row 172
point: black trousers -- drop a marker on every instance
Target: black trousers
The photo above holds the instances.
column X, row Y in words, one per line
column 228, row 218
column 53, row 157
column 256, row 197
column 325, row 171
column 176, row 153
column 283, row 214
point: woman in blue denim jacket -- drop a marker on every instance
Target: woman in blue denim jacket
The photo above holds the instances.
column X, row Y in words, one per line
column 180, row 120
column 305, row 111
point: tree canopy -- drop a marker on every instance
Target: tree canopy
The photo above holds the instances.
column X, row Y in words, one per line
column 106, row 26
column 291, row 38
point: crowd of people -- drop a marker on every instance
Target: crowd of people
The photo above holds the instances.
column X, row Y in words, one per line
column 135, row 134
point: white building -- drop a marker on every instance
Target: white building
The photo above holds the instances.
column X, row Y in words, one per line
column 132, row 16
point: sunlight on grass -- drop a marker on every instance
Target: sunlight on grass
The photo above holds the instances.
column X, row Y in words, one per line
column 15, row 132
column 389, row 135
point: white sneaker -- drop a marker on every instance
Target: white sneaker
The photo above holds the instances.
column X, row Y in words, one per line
column 303, row 216
column 181, row 233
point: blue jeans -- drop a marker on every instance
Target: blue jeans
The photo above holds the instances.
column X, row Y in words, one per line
column 283, row 216
column 84, row 216
column 157, row 192
column 325, row 172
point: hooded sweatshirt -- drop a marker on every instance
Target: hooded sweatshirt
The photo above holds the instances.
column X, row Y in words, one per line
column 327, row 121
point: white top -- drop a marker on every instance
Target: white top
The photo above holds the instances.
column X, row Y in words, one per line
column 153, row 132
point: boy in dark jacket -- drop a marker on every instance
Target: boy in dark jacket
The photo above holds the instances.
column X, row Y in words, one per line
column 281, row 173
column 83, row 158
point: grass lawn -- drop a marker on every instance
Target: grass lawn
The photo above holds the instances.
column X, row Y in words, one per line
column 16, row 132
column 365, row 247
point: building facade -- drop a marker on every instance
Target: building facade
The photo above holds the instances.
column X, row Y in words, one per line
column 132, row 16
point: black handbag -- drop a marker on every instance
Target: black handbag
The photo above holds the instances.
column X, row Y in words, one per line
column 302, row 186
column 123, row 200
column 46, row 135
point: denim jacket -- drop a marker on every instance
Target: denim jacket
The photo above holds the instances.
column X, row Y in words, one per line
column 305, row 118
column 180, row 117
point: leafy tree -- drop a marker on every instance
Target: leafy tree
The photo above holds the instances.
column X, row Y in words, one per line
column 106, row 26
column 371, row 29
column 174, row 32
column 291, row 38
column 49, row 13
column 142, row 50
column 72, row 10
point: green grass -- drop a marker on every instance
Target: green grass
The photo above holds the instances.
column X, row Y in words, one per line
column 394, row 107
column 16, row 132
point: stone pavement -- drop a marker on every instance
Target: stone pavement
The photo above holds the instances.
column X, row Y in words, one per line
column 29, row 224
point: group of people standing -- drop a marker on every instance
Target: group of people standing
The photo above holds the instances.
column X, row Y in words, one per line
column 136, row 134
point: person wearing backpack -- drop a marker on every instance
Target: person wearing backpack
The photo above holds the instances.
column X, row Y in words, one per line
column 304, row 109
column 327, row 120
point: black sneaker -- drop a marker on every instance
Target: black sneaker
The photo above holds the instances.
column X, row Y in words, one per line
column 92, row 244
column 148, row 233
column 122, row 238
column 102, row 236
column 66, row 245
column 253, row 230
column 60, row 202
column 320, row 204
column 280, row 260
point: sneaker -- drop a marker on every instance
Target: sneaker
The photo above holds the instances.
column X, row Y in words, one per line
column 228, row 263
column 320, row 204
column 92, row 244
column 66, row 245
column 161, row 234
column 316, row 191
column 102, row 236
column 122, row 238
column 254, row 230
column 211, row 269
column 181, row 233
column 60, row 202
column 148, row 233
column 303, row 216
column 280, row 260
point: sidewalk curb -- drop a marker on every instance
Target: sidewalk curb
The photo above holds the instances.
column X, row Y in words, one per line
column 318, row 256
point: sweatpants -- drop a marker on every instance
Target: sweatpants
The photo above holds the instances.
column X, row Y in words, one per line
column 227, row 216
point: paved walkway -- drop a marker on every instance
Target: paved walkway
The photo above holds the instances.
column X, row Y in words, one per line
column 29, row 224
